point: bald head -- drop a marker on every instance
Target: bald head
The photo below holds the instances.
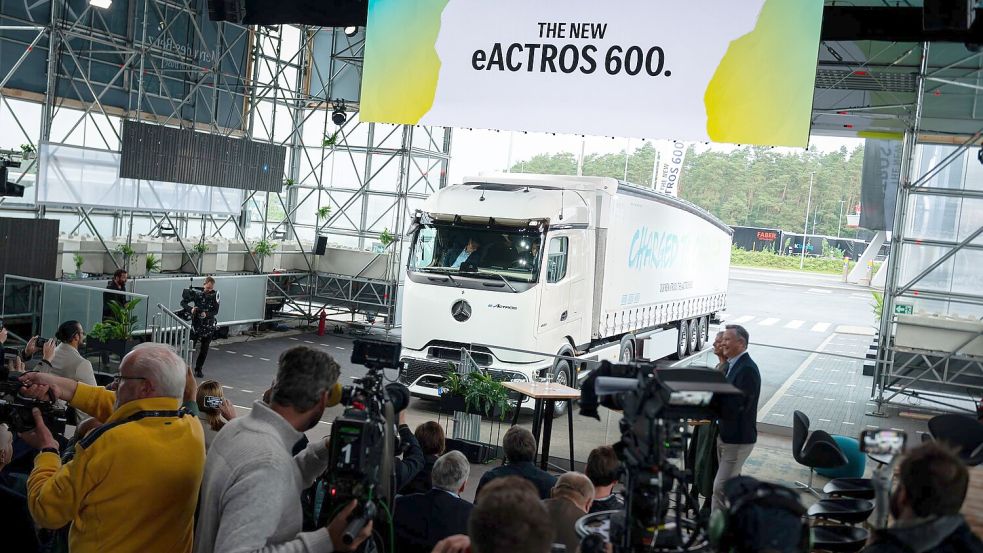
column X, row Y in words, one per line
column 576, row 487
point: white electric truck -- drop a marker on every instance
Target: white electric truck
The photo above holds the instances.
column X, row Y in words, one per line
column 517, row 269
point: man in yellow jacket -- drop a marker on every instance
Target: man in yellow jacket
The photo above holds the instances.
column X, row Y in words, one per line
column 133, row 484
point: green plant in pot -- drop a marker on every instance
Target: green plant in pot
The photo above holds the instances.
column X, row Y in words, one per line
column 153, row 263
column 323, row 212
column 27, row 151
column 877, row 307
column 481, row 394
column 115, row 333
column 386, row 238
column 126, row 252
column 263, row 249
column 78, row 260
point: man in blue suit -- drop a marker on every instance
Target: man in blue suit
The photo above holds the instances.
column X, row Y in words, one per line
column 738, row 413
column 423, row 519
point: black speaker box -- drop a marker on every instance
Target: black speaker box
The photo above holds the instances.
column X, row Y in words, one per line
column 321, row 246
column 476, row 452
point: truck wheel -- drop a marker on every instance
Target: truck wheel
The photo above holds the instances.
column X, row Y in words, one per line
column 704, row 329
column 627, row 354
column 694, row 336
column 682, row 341
column 562, row 375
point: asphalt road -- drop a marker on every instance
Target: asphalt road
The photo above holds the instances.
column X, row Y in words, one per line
column 780, row 310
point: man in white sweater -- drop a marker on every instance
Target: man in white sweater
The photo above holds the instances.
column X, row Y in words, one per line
column 250, row 495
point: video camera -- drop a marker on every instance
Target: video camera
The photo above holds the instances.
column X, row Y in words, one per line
column 656, row 404
column 15, row 409
column 360, row 466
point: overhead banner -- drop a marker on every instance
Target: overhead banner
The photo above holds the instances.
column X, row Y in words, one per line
column 701, row 70
column 879, row 183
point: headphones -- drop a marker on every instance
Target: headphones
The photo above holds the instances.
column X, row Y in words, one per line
column 721, row 530
column 334, row 395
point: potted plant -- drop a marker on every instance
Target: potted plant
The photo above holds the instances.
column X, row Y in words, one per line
column 153, row 263
column 289, row 182
column 330, row 141
column 476, row 393
column 28, row 151
column 323, row 212
column 263, row 249
column 125, row 251
column 198, row 250
column 386, row 238
column 877, row 307
column 78, row 260
column 115, row 334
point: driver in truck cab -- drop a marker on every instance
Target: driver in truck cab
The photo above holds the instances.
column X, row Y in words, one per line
column 467, row 254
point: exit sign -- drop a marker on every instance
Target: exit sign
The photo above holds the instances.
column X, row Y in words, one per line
column 902, row 309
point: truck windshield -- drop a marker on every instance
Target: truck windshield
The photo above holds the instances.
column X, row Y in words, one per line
column 512, row 253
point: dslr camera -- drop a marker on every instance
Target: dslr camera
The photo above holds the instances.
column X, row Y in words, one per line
column 15, row 409
column 363, row 445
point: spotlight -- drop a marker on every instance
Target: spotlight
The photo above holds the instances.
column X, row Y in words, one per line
column 979, row 155
column 351, row 31
column 338, row 116
column 104, row 4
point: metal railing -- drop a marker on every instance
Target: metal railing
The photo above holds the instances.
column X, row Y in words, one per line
column 168, row 328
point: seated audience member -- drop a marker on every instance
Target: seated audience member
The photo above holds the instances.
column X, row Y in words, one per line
column 213, row 418
column 603, row 469
column 430, row 435
column 133, row 484
column 520, row 450
column 423, row 519
column 19, row 534
column 931, row 486
column 251, row 491
column 571, row 499
column 509, row 519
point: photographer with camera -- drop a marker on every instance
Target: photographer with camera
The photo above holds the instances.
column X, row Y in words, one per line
column 250, row 496
column 408, row 466
column 430, row 436
column 214, row 409
column 133, row 484
column 200, row 309
column 925, row 505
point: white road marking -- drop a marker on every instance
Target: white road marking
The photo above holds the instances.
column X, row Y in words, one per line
column 794, row 324
column 795, row 376
column 247, row 391
column 295, row 339
column 777, row 415
column 339, row 347
column 828, row 399
column 848, row 401
column 227, row 387
column 241, row 406
column 825, row 420
column 230, row 351
column 769, row 321
column 308, row 342
column 263, row 359
column 246, row 355
column 743, row 319
column 850, row 423
column 819, row 291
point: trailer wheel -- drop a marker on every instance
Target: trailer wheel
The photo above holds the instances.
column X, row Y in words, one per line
column 704, row 329
column 694, row 336
column 682, row 341
column 562, row 374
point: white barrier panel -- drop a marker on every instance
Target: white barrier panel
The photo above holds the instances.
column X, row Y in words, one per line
column 700, row 70
column 73, row 175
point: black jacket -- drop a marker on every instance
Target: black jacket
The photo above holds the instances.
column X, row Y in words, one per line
column 421, row 483
column 543, row 480
column 412, row 462
column 423, row 519
column 739, row 413
column 109, row 296
column 19, row 533
column 948, row 534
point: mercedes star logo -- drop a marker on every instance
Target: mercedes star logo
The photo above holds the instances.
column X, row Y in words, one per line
column 461, row 311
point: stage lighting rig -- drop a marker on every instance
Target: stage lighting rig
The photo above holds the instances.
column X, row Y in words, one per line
column 351, row 31
column 339, row 115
